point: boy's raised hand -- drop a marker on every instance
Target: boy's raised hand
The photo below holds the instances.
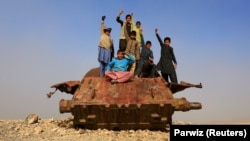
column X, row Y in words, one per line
column 156, row 30
column 121, row 12
column 103, row 18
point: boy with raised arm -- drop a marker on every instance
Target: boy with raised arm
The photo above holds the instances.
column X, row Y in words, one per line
column 124, row 25
column 167, row 63
column 105, row 47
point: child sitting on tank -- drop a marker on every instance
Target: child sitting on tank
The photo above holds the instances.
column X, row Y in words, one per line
column 116, row 70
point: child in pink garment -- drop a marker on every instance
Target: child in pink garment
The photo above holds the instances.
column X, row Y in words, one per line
column 117, row 68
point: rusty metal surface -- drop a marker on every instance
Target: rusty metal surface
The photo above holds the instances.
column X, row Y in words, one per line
column 181, row 86
column 94, row 72
column 67, row 87
column 144, row 90
column 144, row 103
column 182, row 104
column 137, row 104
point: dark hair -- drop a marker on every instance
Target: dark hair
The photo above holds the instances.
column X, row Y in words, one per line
column 119, row 51
column 133, row 33
column 138, row 22
column 128, row 16
column 167, row 38
column 148, row 42
column 107, row 29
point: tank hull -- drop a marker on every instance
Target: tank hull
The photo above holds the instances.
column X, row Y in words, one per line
column 143, row 103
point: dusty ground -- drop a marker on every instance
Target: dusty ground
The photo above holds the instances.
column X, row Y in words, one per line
column 62, row 130
column 34, row 129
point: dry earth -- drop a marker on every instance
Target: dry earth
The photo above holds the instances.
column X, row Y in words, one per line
column 35, row 129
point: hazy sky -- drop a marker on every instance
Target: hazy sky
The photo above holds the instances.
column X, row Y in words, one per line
column 44, row 42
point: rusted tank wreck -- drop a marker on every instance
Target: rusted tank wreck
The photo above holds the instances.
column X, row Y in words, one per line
column 142, row 103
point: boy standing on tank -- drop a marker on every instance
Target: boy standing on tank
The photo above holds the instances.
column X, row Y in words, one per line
column 132, row 48
column 146, row 56
column 124, row 25
column 105, row 47
column 137, row 28
column 167, row 63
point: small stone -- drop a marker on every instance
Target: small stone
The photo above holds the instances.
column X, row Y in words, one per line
column 81, row 131
column 31, row 118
